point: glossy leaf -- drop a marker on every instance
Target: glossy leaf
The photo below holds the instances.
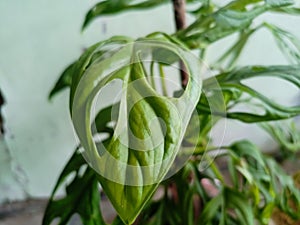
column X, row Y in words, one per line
column 129, row 171
column 88, row 57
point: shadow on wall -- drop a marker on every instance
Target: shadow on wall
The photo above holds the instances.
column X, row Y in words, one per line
column 11, row 187
column 1, row 118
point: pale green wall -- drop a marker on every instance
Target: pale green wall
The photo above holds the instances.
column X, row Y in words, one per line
column 38, row 38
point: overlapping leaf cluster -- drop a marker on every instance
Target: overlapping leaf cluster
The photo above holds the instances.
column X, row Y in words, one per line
column 251, row 185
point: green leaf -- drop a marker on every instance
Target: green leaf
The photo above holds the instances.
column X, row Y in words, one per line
column 88, row 57
column 228, row 199
column 64, row 81
column 134, row 174
column 248, row 163
column 234, row 17
column 210, row 28
column 279, row 3
column 234, row 52
column 286, row 135
column 211, row 209
column 243, row 4
column 246, row 149
column 287, row 10
column 117, row 6
column 82, row 196
column 232, row 82
column 286, row 190
column 288, row 43
column 117, row 221
column 241, row 205
column 105, row 116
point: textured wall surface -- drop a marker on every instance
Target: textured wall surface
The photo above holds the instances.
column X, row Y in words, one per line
column 38, row 38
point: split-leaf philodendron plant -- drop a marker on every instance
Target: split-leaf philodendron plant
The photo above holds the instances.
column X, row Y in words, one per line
column 151, row 150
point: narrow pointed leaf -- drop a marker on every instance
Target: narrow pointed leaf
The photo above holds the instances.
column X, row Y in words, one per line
column 286, row 135
column 217, row 25
column 288, row 43
column 277, row 3
column 231, row 82
column 64, row 81
column 116, row 6
column 233, row 53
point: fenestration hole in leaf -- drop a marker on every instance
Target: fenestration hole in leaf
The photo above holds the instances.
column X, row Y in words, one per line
column 61, row 191
column 55, row 221
column 75, row 219
column 82, row 170
column 162, row 78
column 122, row 166
column 105, row 98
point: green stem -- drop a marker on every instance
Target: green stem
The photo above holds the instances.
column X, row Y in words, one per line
column 152, row 80
column 163, row 82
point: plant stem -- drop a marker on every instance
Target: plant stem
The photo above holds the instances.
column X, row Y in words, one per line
column 179, row 14
column 163, row 83
column 152, row 80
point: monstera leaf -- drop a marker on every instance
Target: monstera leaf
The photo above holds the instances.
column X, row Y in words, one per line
column 150, row 127
column 234, row 17
column 232, row 83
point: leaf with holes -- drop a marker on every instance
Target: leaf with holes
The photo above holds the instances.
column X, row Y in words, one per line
column 82, row 196
column 149, row 128
column 231, row 82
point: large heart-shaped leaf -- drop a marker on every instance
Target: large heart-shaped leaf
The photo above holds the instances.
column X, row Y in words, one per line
column 150, row 127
